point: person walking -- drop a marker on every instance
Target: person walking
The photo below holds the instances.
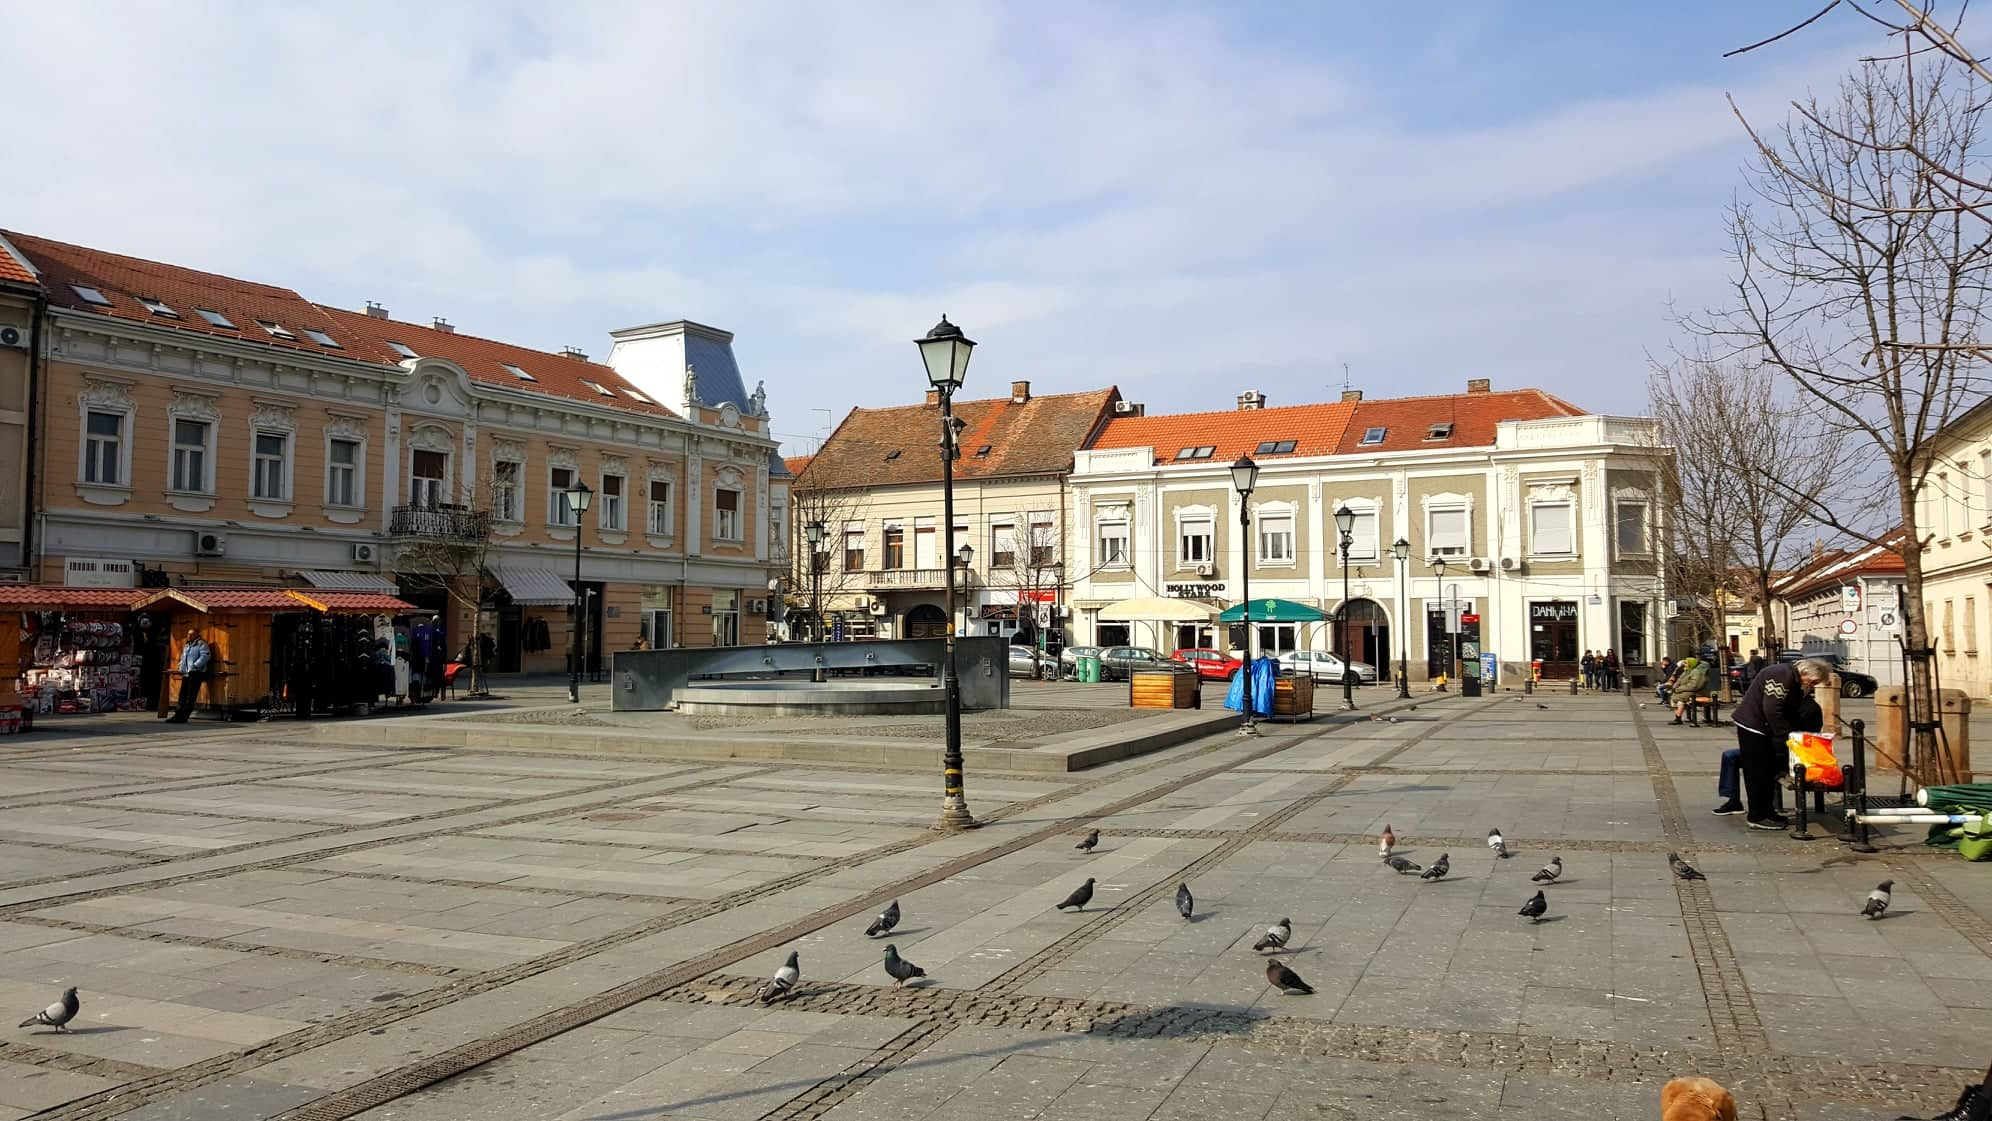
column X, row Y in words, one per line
column 1692, row 679
column 195, row 658
column 1611, row 669
column 1589, row 665
column 1763, row 718
column 1750, row 670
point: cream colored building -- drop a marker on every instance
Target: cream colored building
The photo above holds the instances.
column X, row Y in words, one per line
column 1954, row 515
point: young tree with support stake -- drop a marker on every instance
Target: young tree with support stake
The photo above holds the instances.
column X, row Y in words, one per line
column 444, row 549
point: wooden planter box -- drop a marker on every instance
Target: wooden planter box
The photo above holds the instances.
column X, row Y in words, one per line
column 1293, row 697
column 1151, row 689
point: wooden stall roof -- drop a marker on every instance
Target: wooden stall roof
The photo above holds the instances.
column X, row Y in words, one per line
column 353, row 603
column 279, row 599
column 37, row 597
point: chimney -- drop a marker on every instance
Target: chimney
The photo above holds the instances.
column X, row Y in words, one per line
column 1479, row 385
column 443, row 325
column 933, row 396
column 1350, row 396
column 1251, row 399
column 375, row 310
column 573, row 352
column 1020, row 392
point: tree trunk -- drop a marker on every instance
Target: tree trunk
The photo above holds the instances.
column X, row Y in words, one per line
column 1929, row 759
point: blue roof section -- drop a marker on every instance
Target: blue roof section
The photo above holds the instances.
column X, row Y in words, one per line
column 718, row 374
column 777, row 468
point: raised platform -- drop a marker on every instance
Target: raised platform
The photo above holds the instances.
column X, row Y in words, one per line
column 809, row 698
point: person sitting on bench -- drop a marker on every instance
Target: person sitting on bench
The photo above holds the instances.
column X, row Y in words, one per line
column 1808, row 717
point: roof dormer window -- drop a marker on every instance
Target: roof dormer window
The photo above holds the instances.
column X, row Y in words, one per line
column 1372, row 436
column 158, row 307
column 1443, row 430
column 403, row 349
column 215, row 318
column 517, row 372
column 276, row 330
column 90, row 295
column 322, row 339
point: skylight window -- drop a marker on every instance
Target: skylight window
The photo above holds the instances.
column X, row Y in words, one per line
column 90, row 295
column 403, row 349
column 892, row 455
column 1204, row 451
column 1275, row 447
column 1372, row 436
column 598, row 387
column 322, row 339
column 983, row 450
column 1440, row 431
column 158, row 307
column 215, row 318
column 276, row 330
column 517, row 372
column 635, row 396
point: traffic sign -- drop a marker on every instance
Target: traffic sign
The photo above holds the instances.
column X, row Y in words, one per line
column 1850, row 599
column 1848, row 626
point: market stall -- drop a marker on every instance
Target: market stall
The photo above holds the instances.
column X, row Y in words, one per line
column 70, row 651
column 1159, row 611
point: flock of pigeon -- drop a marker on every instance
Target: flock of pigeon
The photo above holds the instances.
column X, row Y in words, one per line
column 1533, row 910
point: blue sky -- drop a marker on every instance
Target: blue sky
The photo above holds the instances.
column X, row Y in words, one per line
column 1183, row 200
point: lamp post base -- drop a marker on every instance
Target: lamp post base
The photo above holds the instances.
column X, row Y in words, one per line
column 955, row 815
column 574, row 692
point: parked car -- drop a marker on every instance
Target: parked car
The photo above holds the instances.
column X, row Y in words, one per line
column 1025, row 661
column 1853, row 683
column 1214, row 665
column 1323, row 666
column 1118, row 662
column 1068, row 659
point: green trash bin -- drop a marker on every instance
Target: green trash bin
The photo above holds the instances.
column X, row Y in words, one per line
column 1089, row 669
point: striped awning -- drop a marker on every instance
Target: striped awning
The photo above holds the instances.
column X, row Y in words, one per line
column 348, row 581
column 534, row 587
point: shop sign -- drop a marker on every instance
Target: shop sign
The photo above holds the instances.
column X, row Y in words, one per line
column 1218, row 590
column 1559, row 612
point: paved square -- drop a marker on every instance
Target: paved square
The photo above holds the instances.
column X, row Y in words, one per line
column 264, row 924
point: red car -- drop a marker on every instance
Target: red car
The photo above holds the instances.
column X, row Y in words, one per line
column 1214, row 665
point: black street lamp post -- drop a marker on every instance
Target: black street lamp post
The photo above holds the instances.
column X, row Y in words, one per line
column 813, row 533
column 1244, row 479
column 578, row 499
column 1345, row 526
column 1401, row 549
column 1445, row 614
column 945, row 350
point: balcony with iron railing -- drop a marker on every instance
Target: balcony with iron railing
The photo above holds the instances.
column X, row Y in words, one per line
column 445, row 522
column 906, row 578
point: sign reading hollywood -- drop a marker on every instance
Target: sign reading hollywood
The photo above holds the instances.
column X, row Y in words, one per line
column 1218, row 590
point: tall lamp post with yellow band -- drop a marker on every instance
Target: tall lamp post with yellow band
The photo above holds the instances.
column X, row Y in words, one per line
column 1244, row 480
column 945, row 350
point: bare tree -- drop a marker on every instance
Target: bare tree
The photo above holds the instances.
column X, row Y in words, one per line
column 444, row 549
column 1036, row 570
column 821, row 576
column 1862, row 283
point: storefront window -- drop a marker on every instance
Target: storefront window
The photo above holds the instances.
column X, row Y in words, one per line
column 656, row 607
column 1632, row 633
column 726, row 618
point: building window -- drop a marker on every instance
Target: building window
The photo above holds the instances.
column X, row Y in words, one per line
column 103, row 449
column 660, row 508
column 1043, row 542
column 1113, row 538
column 611, row 502
column 1549, row 530
column 1362, row 534
column 1276, row 538
column 726, row 515
column 1002, row 545
column 1950, row 635
column 1629, row 529
column 854, row 546
column 269, row 472
column 215, row 318
column 342, row 473
column 895, row 546
column 158, row 307
column 190, row 455
column 1971, row 624
column 1632, row 633
column 1445, row 530
column 560, row 480
column 505, row 490
column 429, row 473
column 322, row 339
column 726, row 618
column 926, row 553
column 1196, row 540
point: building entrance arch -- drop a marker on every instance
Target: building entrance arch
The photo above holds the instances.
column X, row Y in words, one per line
column 1364, row 633
column 926, row 621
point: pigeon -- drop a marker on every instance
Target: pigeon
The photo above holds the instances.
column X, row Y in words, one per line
column 57, row 1014
column 1542, row 706
column 1092, row 839
column 1390, row 720
column 1682, row 868
column 1286, row 980
column 1386, row 841
column 1402, row 864
column 1535, row 907
column 783, row 983
column 899, row 969
column 1439, row 867
column 1877, row 900
column 1186, row 904
column 1549, row 871
column 1499, row 846
column 886, row 920
column 1410, row 708
column 1277, row 936
column 1080, row 896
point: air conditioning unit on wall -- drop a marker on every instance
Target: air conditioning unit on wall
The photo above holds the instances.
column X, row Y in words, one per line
column 1511, row 564
column 1205, row 569
column 877, row 607
column 1478, row 564
column 365, row 552
column 208, row 543
column 13, row 338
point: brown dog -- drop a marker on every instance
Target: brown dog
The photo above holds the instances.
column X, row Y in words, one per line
column 1696, row 1099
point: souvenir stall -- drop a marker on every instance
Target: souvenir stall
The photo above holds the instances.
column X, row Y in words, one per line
column 67, row 651
column 340, row 659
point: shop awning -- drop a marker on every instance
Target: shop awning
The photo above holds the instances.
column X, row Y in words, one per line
column 1274, row 611
column 348, row 581
column 534, row 587
column 1158, row 609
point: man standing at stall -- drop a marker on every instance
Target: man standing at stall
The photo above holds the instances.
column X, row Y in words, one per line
column 195, row 657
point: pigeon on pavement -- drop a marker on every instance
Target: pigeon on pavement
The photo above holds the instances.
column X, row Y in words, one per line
column 1386, row 840
column 783, row 983
column 899, row 969
column 1500, row 846
column 1542, row 706
column 1286, row 980
column 1080, row 896
column 1186, row 904
column 1877, row 900
column 1439, row 867
column 1092, row 838
column 1682, row 868
column 1402, row 864
column 1277, row 936
column 57, row 1014
column 1549, row 871
column 886, row 920
column 1535, row 907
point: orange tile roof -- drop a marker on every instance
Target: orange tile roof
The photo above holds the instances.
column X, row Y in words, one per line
column 14, row 267
column 796, row 464
column 1407, row 421
column 886, row 447
column 1314, row 429
column 123, row 280
column 353, row 603
column 38, row 597
column 206, row 599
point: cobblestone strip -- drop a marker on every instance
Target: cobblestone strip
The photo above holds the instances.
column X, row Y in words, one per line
column 1598, row 1060
column 28, row 1054
column 827, row 1095
column 1948, row 907
column 203, row 782
column 440, row 881
column 387, row 965
column 1516, row 844
column 1731, row 1010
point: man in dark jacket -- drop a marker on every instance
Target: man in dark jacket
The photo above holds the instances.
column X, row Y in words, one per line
column 1751, row 669
column 1763, row 718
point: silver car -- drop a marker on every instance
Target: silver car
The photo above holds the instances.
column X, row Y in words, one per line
column 1027, row 662
column 1323, row 666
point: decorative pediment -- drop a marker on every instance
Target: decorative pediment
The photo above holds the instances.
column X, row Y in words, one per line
column 104, row 394
column 270, row 414
column 1549, row 492
column 729, row 415
column 432, row 438
column 615, row 465
column 342, row 426
column 192, row 406
column 656, row 470
column 559, row 456
column 507, row 451
column 728, row 475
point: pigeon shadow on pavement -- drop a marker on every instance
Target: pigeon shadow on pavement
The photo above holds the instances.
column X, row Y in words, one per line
column 1551, row 918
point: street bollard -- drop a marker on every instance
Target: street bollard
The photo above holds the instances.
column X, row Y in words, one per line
column 1573, row 686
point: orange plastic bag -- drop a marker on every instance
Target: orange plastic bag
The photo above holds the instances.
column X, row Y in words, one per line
column 1816, row 752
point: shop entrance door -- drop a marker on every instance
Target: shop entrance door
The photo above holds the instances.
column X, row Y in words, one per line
column 1553, row 638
